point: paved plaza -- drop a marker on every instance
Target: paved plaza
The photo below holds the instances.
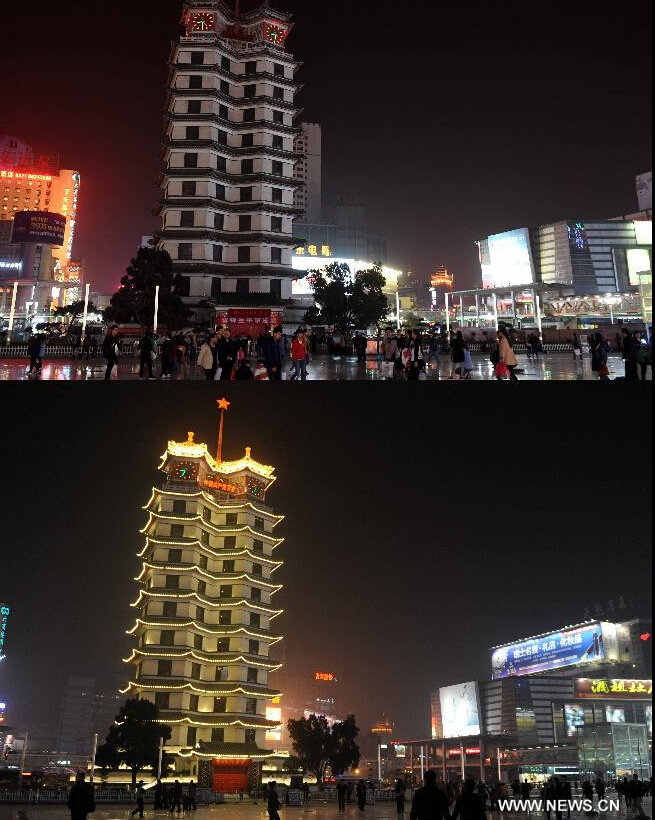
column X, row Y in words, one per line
column 548, row 367
column 250, row 811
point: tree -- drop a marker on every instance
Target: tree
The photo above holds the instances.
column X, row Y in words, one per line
column 135, row 299
column 368, row 304
column 74, row 310
column 318, row 746
column 345, row 301
column 134, row 739
column 345, row 754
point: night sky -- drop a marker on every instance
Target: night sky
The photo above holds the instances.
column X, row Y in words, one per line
column 422, row 528
column 451, row 120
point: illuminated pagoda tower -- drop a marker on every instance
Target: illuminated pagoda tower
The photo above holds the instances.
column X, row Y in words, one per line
column 228, row 183
column 204, row 617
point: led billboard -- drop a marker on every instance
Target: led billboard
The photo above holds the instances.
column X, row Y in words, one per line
column 506, row 259
column 4, row 617
column 555, row 650
column 460, row 709
column 573, row 718
column 39, row 227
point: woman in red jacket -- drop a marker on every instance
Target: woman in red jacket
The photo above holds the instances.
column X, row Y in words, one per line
column 299, row 356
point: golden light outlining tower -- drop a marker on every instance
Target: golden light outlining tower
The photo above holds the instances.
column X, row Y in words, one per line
column 204, row 612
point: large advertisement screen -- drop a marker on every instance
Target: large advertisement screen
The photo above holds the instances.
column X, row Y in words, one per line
column 573, row 718
column 40, row 227
column 460, row 709
column 569, row 646
column 508, row 262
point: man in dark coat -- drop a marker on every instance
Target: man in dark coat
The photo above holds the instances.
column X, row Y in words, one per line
column 430, row 803
column 109, row 350
column 81, row 800
column 629, row 352
column 272, row 353
column 226, row 353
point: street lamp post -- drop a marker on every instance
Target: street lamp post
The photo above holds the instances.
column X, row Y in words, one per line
column 22, row 759
column 12, row 311
column 95, row 738
column 84, row 315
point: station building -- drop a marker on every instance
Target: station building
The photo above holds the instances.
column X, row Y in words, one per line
column 576, row 702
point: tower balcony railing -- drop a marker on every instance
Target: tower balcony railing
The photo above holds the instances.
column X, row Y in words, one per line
column 262, row 100
column 254, row 125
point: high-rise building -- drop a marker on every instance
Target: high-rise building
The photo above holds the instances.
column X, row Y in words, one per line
column 205, row 614
column 34, row 182
column 86, row 709
column 308, row 171
column 228, row 182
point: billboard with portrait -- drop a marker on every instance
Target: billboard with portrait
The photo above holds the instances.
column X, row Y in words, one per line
column 39, row 227
column 460, row 709
column 576, row 645
column 573, row 718
column 507, row 260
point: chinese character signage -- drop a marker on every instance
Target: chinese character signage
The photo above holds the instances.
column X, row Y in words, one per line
column 615, row 688
column 40, row 227
column 553, row 651
column 217, row 484
column 327, row 677
column 4, row 617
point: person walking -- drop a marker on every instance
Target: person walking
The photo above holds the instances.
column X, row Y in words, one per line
column 599, row 355
column 415, row 365
column 110, row 350
column 641, row 355
column 342, row 793
column 506, row 354
column 361, row 795
column 81, row 798
column 146, row 350
column 167, row 356
column 176, row 798
column 389, row 353
column 225, row 353
column 434, row 350
column 457, row 354
column 208, row 357
column 273, row 802
column 600, row 788
column 429, row 803
column 191, row 795
column 272, row 346
column 360, row 344
column 34, row 352
column 400, row 798
column 577, row 348
column 159, row 795
column 140, row 797
column 629, row 353
column 86, row 348
column 637, row 795
column 299, row 356
column 468, row 805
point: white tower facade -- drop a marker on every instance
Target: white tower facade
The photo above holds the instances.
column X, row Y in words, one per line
column 228, row 182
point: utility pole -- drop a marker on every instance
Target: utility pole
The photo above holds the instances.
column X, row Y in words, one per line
column 22, row 763
column 94, row 749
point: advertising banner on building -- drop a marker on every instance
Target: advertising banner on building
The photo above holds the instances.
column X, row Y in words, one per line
column 4, row 617
column 506, row 259
column 582, row 644
column 460, row 709
column 39, row 227
column 614, row 688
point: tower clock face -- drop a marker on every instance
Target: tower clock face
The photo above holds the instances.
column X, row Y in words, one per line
column 182, row 471
column 202, row 21
column 275, row 34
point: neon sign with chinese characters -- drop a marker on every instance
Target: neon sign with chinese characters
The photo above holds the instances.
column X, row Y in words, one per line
column 613, row 688
column 326, row 677
column 313, row 250
column 217, row 484
column 24, row 175
column 4, row 617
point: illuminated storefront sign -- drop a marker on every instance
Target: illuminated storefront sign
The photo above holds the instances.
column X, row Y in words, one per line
column 274, row 714
column 325, row 676
column 11, row 265
column 315, row 250
column 71, row 205
column 576, row 645
column 24, row 175
column 614, row 688
column 217, row 484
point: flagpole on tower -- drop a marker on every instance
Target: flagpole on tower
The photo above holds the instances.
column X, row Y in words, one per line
column 223, row 405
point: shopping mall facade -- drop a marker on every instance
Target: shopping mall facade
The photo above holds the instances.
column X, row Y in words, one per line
column 574, row 702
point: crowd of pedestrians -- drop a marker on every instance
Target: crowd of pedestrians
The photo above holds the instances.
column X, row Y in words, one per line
column 407, row 355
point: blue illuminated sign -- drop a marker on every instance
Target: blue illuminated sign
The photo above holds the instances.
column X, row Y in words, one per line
column 553, row 651
column 4, row 617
